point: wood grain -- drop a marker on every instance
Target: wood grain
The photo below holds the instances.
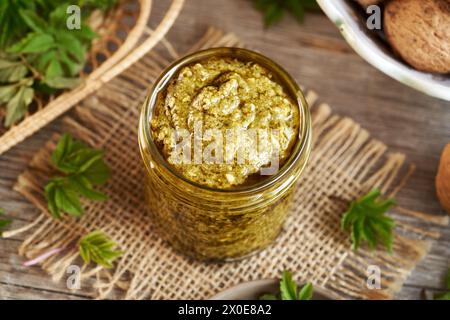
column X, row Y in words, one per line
column 316, row 55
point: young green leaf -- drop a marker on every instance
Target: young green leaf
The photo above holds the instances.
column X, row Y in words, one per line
column 97, row 172
column 273, row 10
column 306, row 292
column 7, row 92
column 69, row 154
column 68, row 200
column 50, row 195
column 33, row 21
column 3, row 223
column 12, row 70
column 99, row 248
column 33, row 43
column 289, row 290
column 11, row 25
column 84, row 187
column 71, row 45
column 365, row 219
column 52, row 55
column 84, row 168
column 274, row 13
column 54, row 69
column 288, row 287
column 18, row 105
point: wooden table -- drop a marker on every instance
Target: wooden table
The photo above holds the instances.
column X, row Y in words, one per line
column 315, row 53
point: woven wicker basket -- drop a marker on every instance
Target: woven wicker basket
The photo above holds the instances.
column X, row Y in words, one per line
column 104, row 62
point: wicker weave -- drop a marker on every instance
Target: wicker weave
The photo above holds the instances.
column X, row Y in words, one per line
column 346, row 162
column 105, row 62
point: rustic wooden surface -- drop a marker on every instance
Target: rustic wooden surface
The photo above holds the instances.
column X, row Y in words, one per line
column 320, row 59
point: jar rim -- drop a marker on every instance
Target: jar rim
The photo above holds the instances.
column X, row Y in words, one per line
column 303, row 143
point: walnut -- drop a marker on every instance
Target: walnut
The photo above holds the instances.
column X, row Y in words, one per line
column 443, row 179
column 419, row 31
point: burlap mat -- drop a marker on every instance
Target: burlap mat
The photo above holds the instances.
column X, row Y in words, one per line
column 345, row 164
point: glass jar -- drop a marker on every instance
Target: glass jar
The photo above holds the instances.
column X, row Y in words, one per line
column 220, row 224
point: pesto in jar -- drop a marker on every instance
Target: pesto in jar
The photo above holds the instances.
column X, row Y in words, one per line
column 212, row 102
column 218, row 204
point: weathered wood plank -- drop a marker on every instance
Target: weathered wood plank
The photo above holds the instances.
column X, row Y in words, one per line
column 320, row 59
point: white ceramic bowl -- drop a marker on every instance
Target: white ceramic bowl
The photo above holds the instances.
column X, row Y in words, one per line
column 346, row 16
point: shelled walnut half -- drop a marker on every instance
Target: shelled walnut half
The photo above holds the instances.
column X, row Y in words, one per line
column 419, row 31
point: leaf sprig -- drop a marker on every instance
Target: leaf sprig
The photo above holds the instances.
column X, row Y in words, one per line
column 99, row 248
column 83, row 168
column 289, row 290
column 39, row 55
column 365, row 219
column 273, row 10
column 3, row 223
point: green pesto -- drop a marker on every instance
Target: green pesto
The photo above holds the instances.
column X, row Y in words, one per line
column 218, row 97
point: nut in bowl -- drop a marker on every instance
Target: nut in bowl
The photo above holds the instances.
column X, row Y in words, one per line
column 410, row 42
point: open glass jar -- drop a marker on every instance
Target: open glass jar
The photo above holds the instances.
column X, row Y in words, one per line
column 221, row 224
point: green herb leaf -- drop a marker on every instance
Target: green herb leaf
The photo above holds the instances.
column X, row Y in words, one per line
column 33, row 21
column 7, row 92
column 273, row 14
column 71, row 45
column 366, row 220
column 84, row 187
column 54, row 70
column 69, row 154
column 288, row 287
column 3, row 223
column 306, row 292
column 99, row 248
column 33, row 43
column 12, row 70
column 84, row 168
column 50, row 195
column 11, row 25
column 273, row 9
column 96, row 172
column 18, row 105
column 289, row 291
column 68, row 200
